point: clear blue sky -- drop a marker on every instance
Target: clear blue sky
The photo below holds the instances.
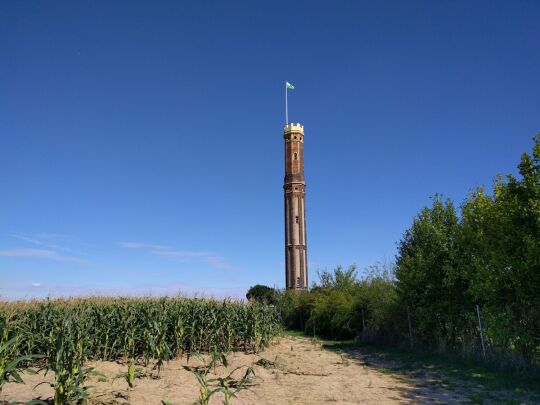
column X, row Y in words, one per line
column 141, row 144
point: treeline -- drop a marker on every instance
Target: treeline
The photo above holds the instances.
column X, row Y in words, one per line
column 487, row 255
column 450, row 260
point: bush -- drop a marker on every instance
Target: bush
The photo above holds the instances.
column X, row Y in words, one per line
column 341, row 306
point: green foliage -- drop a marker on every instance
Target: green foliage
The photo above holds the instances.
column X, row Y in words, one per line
column 262, row 294
column 341, row 306
column 490, row 256
column 382, row 314
column 151, row 329
column 426, row 272
column 67, row 363
column 201, row 373
column 11, row 363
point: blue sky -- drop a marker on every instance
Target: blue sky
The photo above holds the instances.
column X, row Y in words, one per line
column 141, row 143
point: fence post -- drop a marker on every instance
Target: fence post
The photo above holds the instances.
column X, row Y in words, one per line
column 313, row 319
column 410, row 326
column 481, row 331
column 363, row 327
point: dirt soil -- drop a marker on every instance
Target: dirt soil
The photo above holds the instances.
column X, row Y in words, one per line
column 303, row 373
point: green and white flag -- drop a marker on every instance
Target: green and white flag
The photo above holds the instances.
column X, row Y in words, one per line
column 288, row 86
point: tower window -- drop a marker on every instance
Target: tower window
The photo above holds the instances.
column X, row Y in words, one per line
column 295, row 156
column 297, row 219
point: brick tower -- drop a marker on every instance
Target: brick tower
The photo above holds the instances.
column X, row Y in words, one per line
column 296, row 276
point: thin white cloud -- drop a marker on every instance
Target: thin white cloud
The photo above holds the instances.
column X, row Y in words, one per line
column 35, row 241
column 218, row 262
column 209, row 258
column 36, row 284
column 53, row 235
column 54, row 241
column 38, row 254
column 180, row 254
column 206, row 257
column 138, row 245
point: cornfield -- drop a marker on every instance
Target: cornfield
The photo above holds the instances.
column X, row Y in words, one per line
column 147, row 329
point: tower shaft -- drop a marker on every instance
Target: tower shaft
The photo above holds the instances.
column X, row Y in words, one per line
column 296, row 276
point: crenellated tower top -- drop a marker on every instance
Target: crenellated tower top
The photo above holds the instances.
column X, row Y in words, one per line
column 293, row 132
column 292, row 127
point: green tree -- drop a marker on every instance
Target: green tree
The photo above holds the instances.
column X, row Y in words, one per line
column 512, row 256
column 261, row 293
column 426, row 276
column 490, row 257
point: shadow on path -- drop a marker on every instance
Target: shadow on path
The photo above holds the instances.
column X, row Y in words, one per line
column 440, row 379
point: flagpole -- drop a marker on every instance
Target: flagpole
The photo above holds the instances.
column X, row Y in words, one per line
column 286, row 106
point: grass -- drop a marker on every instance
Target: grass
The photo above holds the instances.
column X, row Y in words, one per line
column 294, row 333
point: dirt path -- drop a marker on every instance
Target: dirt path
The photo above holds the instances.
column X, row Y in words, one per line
column 305, row 374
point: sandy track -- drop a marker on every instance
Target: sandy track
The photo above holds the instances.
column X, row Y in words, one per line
column 307, row 374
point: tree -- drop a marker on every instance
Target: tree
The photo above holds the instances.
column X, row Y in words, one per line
column 512, row 258
column 490, row 256
column 426, row 276
column 340, row 279
column 261, row 293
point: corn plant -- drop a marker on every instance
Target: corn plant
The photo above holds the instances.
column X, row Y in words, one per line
column 132, row 329
column 67, row 365
column 10, row 365
column 68, row 332
column 201, row 373
column 228, row 385
column 130, row 376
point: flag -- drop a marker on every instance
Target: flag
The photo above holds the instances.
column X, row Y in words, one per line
column 289, row 86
